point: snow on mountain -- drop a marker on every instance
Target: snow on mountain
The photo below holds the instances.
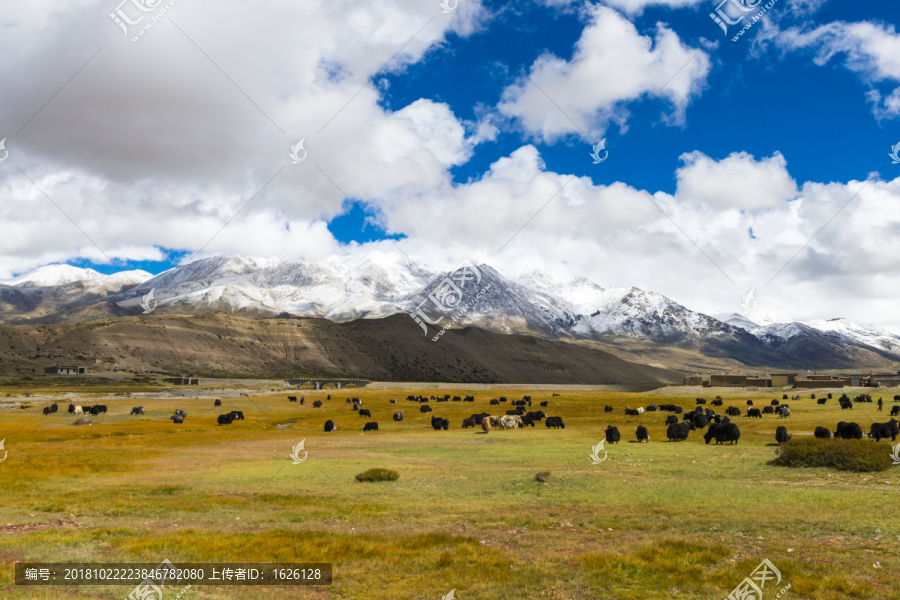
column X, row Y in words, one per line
column 879, row 338
column 377, row 284
column 53, row 275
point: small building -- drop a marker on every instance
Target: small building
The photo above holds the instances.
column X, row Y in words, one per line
column 58, row 370
column 728, row 381
column 183, row 381
column 819, row 382
column 695, row 380
column 784, row 379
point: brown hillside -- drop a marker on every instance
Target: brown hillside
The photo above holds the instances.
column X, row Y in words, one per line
column 389, row 349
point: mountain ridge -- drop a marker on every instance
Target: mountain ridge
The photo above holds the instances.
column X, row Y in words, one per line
column 376, row 285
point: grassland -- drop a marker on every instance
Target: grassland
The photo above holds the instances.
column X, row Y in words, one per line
column 657, row 520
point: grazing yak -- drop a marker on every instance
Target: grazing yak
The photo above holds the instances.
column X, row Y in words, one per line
column 848, row 431
column 302, row 400
column 290, row 399
column 633, row 412
column 612, row 435
column 822, row 433
column 98, row 409
column 537, row 415
column 526, row 420
column 716, row 402
column 226, row 419
column 373, row 426
column 217, row 402
column 754, row 412
column 55, row 407
column 317, row 404
column 424, row 408
column 517, row 412
column 821, row 400
column 486, row 425
column 393, row 401
column 733, row 411
column 180, row 412
column 678, row 431
column 545, row 403
column 749, row 402
column 78, row 410
column 398, row 416
column 880, row 431
column 642, row 434
column 608, row 408
column 71, row 408
column 330, row 426
column 701, row 400
column 46, row 410
column 768, row 410
column 895, row 411
column 470, row 422
column 781, row 434
column 177, row 419
column 479, row 417
column 846, row 404
column 457, row 399
column 671, row 420
column 555, row 422
column 469, row 399
column 784, row 411
column 555, row 395
column 436, row 423
column 775, row 403
column 364, row 412
column 494, row 402
column 652, row 407
column 237, row 415
column 784, row 397
column 507, row 422
column 723, row 432
column 137, row 410
column 700, row 421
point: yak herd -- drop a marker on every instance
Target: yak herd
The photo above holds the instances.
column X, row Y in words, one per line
column 718, row 427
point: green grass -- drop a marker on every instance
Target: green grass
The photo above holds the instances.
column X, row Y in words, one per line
column 658, row 520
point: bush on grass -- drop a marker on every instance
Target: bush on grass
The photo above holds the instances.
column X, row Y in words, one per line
column 845, row 455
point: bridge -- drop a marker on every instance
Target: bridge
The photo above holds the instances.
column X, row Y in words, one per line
column 337, row 383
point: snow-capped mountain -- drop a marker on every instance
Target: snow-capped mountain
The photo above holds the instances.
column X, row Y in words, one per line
column 377, row 284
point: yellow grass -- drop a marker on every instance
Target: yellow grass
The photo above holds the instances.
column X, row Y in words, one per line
column 657, row 520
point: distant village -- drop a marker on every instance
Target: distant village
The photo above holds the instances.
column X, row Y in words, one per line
column 796, row 380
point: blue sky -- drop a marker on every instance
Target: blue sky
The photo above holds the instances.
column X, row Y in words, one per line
column 726, row 158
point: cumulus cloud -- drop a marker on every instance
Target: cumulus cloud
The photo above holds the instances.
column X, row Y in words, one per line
column 612, row 64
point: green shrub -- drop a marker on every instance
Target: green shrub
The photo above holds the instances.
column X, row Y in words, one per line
column 378, row 475
column 846, row 455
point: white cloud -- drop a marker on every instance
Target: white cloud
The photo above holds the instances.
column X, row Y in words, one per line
column 870, row 49
column 612, row 65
